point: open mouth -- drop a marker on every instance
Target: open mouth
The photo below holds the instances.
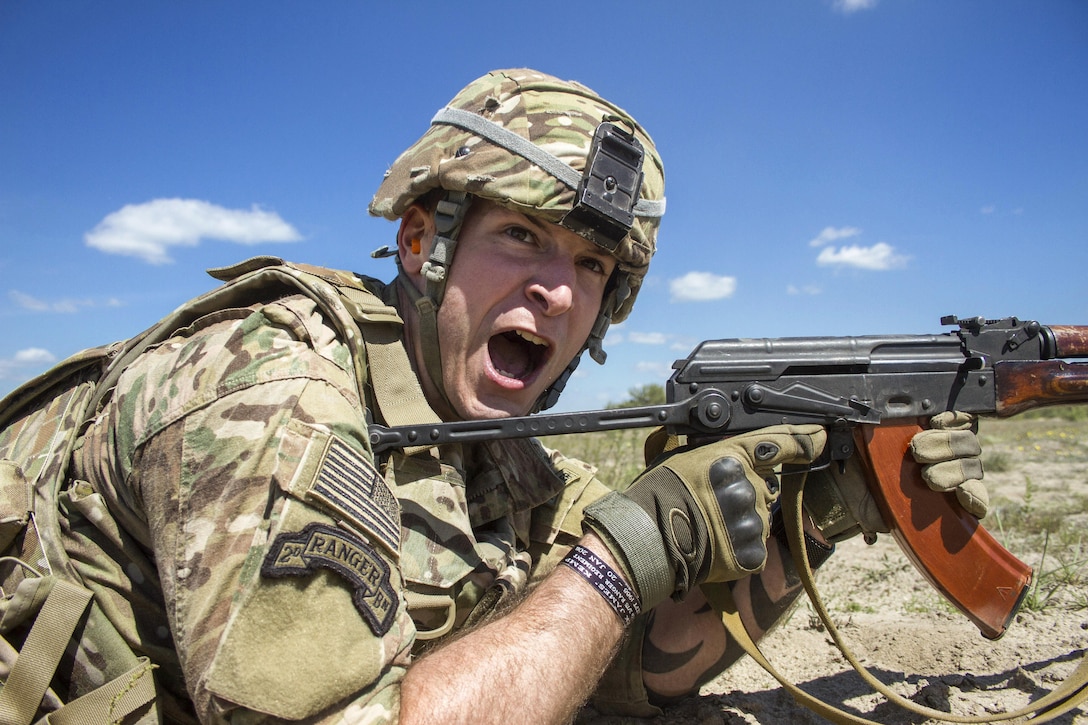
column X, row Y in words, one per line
column 517, row 354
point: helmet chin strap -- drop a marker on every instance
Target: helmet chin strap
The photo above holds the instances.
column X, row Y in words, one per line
column 427, row 324
column 449, row 214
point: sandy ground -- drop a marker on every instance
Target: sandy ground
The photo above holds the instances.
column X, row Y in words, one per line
column 908, row 637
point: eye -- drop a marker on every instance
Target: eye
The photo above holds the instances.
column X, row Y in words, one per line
column 596, row 265
column 521, row 234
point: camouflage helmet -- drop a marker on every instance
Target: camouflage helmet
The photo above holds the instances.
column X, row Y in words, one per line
column 520, row 138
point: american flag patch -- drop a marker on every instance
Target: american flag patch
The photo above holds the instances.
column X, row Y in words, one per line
column 349, row 484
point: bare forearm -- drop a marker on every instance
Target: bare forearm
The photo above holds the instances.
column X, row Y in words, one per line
column 551, row 650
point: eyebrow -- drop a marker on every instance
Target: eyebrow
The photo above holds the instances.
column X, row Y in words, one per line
column 545, row 226
column 538, row 223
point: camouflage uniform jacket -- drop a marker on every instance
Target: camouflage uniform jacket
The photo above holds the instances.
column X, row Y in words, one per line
column 226, row 509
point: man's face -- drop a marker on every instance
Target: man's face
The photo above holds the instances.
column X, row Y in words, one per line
column 521, row 299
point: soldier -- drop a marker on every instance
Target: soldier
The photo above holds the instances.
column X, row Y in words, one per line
column 226, row 510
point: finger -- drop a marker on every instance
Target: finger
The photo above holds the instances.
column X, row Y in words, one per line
column 948, row 475
column 659, row 442
column 935, row 446
column 973, row 497
column 770, row 447
column 953, row 420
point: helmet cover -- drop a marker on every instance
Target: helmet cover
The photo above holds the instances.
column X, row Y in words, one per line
column 560, row 118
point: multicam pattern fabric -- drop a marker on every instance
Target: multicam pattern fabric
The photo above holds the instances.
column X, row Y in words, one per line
column 559, row 117
column 200, row 464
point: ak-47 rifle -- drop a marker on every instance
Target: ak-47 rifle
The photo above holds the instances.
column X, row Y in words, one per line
column 873, row 393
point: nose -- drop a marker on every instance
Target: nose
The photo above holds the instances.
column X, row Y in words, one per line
column 552, row 287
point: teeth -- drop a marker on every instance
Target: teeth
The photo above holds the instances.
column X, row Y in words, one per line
column 531, row 337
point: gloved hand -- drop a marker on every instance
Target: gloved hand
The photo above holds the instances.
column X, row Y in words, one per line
column 950, row 456
column 700, row 514
column 841, row 505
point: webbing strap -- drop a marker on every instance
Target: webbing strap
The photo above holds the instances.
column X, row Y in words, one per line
column 399, row 396
column 1062, row 699
column 41, row 652
column 397, row 392
column 496, row 134
column 113, row 701
column 722, row 599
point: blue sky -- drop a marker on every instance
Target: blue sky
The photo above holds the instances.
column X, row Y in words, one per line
column 832, row 168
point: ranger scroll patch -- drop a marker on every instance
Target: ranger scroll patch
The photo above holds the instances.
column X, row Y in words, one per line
column 321, row 545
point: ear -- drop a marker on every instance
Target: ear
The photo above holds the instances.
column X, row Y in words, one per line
column 414, row 239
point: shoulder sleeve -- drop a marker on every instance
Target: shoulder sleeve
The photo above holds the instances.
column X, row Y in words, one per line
column 276, row 539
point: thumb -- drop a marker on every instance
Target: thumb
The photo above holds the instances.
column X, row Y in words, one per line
column 773, row 446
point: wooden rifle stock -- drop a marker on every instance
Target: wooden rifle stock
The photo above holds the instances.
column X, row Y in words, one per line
column 1022, row 385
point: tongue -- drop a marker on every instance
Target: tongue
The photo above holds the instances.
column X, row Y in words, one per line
column 510, row 355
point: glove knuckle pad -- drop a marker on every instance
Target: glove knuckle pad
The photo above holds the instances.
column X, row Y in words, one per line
column 738, row 503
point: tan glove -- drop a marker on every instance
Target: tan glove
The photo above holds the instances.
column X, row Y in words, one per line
column 841, row 505
column 701, row 514
column 950, row 456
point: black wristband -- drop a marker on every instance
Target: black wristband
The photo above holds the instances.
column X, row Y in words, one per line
column 610, row 585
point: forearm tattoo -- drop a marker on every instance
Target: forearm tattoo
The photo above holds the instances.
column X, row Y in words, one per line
column 763, row 601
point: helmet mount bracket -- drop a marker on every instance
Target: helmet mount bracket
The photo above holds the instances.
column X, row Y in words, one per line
column 604, row 206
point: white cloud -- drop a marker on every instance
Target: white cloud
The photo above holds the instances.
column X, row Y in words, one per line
column 832, row 234
column 149, row 230
column 808, row 289
column 647, row 338
column 852, row 6
column 66, row 305
column 29, row 357
column 34, row 355
column 880, row 257
column 27, row 302
column 702, row 287
column 988, row 209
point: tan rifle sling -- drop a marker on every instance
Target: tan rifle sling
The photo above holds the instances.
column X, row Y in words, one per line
column 1071, row 693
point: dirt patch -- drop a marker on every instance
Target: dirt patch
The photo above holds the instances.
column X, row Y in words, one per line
column 910, row 640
